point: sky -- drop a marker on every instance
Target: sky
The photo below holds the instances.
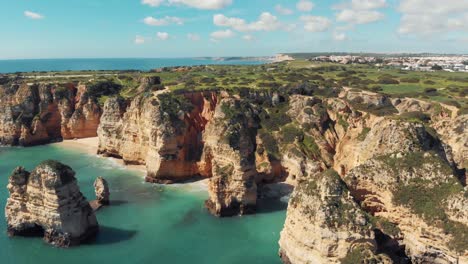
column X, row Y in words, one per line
column 194, row 28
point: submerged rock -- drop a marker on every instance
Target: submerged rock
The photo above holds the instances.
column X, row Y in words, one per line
column 48, row 202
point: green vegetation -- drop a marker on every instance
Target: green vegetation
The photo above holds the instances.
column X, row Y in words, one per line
column 310, row 147
column 290, row 133
column 426, row 197
column 300, row 76
column 174, row 105
column 360, row 255
column 384, row 225
column 104, row 88
column 275, row 117
column 342, row 122
column 414, row 117
column 362, row 136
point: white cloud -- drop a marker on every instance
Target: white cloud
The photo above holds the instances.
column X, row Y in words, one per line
column 139, row 40
column 315, row 23
column 360, row 11
column 222, row 34
column 33, row 15
column 359, row 16
column 368, row 4
column 283, row 10
column 163, row 21
column 339, row 36
column 304, row 6
column 248, row 37
column 426, row 17
column 153, row 3
column 162, row 35
column 193, row 37
column 266, row 22
column 203, row 4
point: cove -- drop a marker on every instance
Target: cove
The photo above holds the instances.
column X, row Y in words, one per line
column 146, row 223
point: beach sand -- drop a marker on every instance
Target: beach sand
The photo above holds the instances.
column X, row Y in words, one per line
column 90, row 147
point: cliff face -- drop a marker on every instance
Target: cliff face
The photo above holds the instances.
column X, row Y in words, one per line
column 407, row 177
column 419, row 193
column 41, row 113
column 230, row 144
column 48, row 202
column 324, row 223
column 163, row 131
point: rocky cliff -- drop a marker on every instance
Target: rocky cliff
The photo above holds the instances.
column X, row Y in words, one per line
column 162, row 131
column 324, row 224
column 403, row 162
column 32, row 114
column 230, row 146
column 48, row 202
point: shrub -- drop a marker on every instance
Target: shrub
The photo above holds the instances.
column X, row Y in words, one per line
column 429, row 82
column 415, row 116
column 290, row 133
column 310, row 147
column 172, row 104
column 104, row 88
column 362, row 136
column 386, row 80
column 410, row 80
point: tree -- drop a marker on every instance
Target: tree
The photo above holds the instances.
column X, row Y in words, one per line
column 437, row 68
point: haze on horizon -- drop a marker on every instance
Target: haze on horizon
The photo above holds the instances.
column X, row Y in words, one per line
column 194, row 28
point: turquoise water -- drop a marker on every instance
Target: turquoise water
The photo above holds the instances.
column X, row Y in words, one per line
column 146, row 223
column 11, row 66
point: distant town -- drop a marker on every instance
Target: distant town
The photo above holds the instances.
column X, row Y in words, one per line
column 449, row 63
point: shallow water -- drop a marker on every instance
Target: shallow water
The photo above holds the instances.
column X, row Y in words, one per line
column 146, row 223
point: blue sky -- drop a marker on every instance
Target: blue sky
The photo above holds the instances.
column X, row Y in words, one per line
column 188, row 28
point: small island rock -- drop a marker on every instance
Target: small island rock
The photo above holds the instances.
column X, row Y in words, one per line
column 48, row 202
column 101, row 188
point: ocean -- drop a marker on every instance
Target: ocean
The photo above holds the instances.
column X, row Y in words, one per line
column 12, row 66
column 146, row 223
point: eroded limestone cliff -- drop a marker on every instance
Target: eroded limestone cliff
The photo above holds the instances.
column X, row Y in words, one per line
column 47, row 202
column 32, row 114
column 403, row 161
column 162, row 131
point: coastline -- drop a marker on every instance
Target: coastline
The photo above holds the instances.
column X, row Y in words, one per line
column 89, row 146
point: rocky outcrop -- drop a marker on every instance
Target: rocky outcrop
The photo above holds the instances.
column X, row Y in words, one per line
column 230, row 144
column 101, row 188
column 32, row 114
column 405, row 176
column 325, row 225
column 48, row 202
column 454, row 132
column 80, row 116
column 162, row 131
column 419, row 193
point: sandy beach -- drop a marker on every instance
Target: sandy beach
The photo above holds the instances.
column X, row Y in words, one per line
column 90, row 146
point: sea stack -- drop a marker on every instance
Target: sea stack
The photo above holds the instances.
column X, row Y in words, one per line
column 101, row 188
column 47, row 202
